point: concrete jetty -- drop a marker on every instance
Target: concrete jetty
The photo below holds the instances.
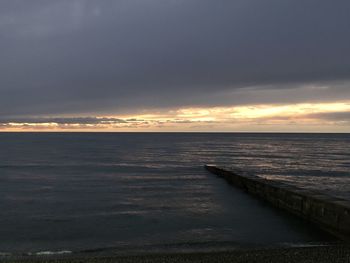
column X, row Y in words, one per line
column 329, row 213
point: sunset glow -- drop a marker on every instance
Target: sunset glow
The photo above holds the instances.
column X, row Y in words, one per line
column 299, row 117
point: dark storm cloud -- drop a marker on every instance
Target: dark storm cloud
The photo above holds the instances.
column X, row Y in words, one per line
column 88, row 56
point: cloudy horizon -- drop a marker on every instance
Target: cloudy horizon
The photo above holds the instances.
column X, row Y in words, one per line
column 175, row 65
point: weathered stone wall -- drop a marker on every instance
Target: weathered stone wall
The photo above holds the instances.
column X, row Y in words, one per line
column 330, row 213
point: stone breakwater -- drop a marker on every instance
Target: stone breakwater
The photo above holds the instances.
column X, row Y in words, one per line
column 329, row 213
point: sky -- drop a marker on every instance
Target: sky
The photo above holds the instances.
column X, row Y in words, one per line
column 175, row 65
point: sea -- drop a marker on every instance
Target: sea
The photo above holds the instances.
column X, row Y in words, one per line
column 84, row 192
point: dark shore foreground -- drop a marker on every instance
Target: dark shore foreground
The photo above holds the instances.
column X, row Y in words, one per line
column 326, row 254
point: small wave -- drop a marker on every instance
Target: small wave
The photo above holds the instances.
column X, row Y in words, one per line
column 49, row 253
column 311, row 244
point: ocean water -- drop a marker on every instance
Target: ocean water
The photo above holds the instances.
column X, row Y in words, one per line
column 63, row 192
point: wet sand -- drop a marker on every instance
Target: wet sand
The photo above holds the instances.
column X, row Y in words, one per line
column 325, row 254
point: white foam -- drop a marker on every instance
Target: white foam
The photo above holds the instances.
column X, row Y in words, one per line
column 48, row 253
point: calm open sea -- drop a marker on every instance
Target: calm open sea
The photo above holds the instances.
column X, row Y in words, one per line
column 79, row 191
